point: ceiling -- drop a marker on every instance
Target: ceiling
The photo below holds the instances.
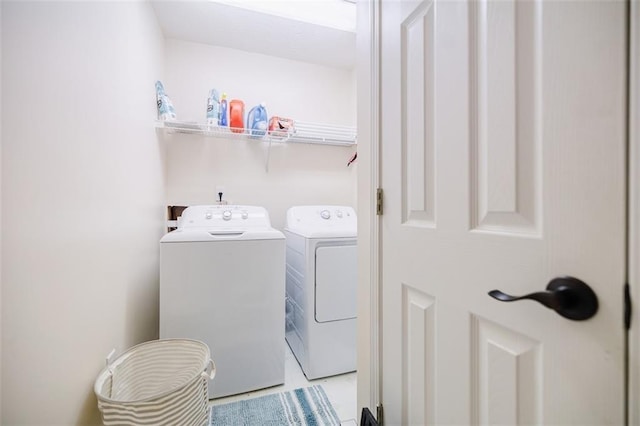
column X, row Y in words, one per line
column 316, row 31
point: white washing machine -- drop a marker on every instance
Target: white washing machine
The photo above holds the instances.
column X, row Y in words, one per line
column 222, row 281
column 321, row 288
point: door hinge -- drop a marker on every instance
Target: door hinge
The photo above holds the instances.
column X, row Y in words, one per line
column 379, row 201
column 627, row 307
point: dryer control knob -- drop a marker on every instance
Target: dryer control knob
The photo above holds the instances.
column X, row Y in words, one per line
column 325, row 214
column 226, row 215
column 245, row 214
column 339, row 213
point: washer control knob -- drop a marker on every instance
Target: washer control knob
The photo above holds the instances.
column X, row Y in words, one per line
column 325, row 214
column 339, row 213
column 208, row 215
column 226, row 215
column 245, row 214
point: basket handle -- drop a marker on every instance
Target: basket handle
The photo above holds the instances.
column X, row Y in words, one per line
column 212, row 373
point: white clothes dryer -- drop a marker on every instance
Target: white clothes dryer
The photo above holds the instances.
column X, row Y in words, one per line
column 321, row 288
column 222, row 281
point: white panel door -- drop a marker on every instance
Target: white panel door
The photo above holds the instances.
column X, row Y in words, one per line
column 503, row 167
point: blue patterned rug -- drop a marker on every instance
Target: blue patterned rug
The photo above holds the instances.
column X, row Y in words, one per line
column 301, row 407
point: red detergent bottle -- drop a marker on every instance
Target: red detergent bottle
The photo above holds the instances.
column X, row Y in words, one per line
column 236, row 116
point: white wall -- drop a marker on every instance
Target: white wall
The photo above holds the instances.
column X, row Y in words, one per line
column 298, row 174
column 82, row 197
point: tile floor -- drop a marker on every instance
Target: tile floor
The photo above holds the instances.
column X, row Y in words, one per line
column 341, row 389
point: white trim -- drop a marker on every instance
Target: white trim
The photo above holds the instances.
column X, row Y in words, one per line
column 367, row 73
column 634, row 210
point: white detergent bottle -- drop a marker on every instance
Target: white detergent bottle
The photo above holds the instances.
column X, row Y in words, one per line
column 165, row 107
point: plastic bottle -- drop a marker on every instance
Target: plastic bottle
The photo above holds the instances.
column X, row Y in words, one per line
column 236, row 116
column 281, row 127
column 257, row 120
column 223, row 111
column 166, row 111
column 213, row 108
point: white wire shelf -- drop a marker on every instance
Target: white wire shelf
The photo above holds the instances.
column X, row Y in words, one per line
column 303, row 132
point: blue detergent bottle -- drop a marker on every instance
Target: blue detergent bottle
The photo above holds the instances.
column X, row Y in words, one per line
column 213, row 108
column 257, row 120
column 223, row 111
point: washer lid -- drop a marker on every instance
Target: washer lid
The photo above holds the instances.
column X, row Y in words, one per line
column 322, row 221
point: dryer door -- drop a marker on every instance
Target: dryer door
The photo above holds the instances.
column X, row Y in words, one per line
column 336, row 282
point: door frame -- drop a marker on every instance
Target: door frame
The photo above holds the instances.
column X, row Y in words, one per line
column 634, row 209
column 368, row 119
column 369, row 282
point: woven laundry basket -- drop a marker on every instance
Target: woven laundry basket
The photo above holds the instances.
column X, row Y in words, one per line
column 162, row 382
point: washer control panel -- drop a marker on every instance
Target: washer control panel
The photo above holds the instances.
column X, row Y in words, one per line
column 224, row 215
